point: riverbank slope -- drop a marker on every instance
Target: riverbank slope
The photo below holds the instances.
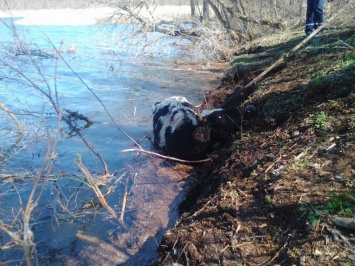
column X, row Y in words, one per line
column 272, row 193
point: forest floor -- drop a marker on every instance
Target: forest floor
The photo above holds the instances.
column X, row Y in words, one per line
column 274, row 191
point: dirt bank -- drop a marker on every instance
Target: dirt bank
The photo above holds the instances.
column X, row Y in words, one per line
column 270, row 196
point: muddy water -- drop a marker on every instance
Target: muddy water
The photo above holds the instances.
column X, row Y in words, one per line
column 69, row 225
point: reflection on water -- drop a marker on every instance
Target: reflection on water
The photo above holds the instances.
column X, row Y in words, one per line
column 127, row 85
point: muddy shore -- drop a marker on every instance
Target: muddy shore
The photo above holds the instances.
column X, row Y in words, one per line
column 270, row 196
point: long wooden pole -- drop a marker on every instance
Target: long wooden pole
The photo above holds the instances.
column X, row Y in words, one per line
column 240, row 95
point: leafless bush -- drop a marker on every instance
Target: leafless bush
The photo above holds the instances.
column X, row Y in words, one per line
column 228, row 24
column 217, row 27
column 41, row 129
column 23, row 235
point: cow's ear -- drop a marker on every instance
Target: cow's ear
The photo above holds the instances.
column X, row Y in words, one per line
column 155, row 106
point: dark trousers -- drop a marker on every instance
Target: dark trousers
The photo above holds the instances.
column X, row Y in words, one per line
column 314, row 15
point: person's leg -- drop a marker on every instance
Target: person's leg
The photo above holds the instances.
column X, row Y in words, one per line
column 318, row 13
column 309, row 17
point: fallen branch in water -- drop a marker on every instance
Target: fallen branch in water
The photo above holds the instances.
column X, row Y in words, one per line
column 95, row 187
column 168, row 157
column 78, row 116
column 124, row 202
column 123, row 207
column 90, row 239
column 102, row 104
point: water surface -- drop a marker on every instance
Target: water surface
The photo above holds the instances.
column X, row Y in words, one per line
column 111, row 63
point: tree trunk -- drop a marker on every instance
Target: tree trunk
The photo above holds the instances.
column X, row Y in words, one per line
column 193, row 8
column 219, row 16
column 205, row 11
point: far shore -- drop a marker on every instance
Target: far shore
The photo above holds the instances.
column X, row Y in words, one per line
column 87, row 16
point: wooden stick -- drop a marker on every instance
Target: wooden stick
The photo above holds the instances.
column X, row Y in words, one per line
column 168, row 157
column 124, row 202
column 123, row 207
column 277, row 253
column 244, row 92
column 13, row 117
column 200, row 210
column 95, row 187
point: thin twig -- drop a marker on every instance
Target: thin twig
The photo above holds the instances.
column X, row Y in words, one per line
column 277, row 253
column 102, row 104
column 168, row 157
column 93, row 184
column 124, row 202
column 13, row 117
column 88, row 145
column 200, row 210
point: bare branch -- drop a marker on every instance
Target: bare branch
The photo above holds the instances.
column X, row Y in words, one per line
column 94, row 186
column 168, row 157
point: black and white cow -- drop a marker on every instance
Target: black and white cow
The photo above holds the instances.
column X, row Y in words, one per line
column 187, row 134
column 180, row 130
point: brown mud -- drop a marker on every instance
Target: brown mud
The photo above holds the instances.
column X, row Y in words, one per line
column 268, row 196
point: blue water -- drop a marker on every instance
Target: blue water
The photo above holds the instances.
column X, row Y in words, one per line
column 126, row 76
column 110, row 62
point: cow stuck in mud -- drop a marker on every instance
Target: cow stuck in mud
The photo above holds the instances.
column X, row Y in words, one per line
column 185, row 133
